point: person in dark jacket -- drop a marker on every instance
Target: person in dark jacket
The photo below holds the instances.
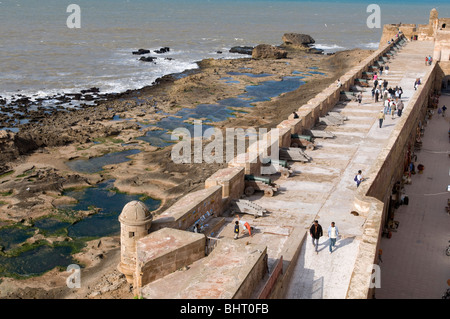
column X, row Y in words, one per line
column 316, row 232
column 236, row 230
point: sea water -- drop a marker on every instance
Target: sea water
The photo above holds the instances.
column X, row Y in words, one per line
column 41, row 55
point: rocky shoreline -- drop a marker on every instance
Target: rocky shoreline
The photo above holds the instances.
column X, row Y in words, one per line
column 34, row 173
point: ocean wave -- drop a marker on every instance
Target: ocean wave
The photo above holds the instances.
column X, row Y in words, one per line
column 371, row 45
column 328, row 46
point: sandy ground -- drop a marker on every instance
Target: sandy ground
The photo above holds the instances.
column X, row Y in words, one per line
column 151, row 172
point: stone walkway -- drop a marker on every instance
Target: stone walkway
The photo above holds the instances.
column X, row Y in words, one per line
column 329, row 186
column 324, row 189
column 414, row 261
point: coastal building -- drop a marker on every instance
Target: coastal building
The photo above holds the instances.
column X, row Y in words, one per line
column 165, row 258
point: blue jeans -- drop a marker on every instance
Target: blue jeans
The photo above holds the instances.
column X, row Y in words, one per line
column 315, row 242
column 332, row 243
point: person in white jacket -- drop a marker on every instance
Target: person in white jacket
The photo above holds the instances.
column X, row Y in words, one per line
column 333, row 234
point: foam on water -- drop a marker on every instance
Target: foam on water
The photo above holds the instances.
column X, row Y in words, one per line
column 40, row 55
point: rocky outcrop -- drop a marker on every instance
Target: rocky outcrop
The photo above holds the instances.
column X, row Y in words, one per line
column 147, row 58
column 266, row 51
column 162, row 50
column 8, row 150
column 298, row 40
column 141, row 51
column 242, row 50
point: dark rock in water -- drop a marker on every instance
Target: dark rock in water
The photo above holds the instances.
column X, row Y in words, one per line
column 162, row 50
column 75, row 96
column 219, row 52
column 266, row 51
column 297, row 39
column 91, row 90
column 147, row 59
column 168, row 59
column 141, row 51
column 315, row 51
column 242, row 50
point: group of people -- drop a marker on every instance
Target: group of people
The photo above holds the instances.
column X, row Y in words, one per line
column 391, row 98
column 316, row 232
column 381, row 91
column 428, row 60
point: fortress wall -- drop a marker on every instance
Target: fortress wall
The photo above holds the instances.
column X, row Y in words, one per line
column 284, row 139
column 442, row 46
column 232, row 181
column 254, row 275
column 387, row 163
column 229, row 183
column 165, row 251
column 190, row 209
column 290, row 253
column 390, row 31
column 374, row 193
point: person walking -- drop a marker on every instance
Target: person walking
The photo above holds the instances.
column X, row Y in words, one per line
column 236, row 230
column 375, row 84
column 316, row 232
column 333, row 234
column 385, row 95
column 400, row 108
column 386, row 106
column 443, row 110
column 400, row 92
column 381, row 117
column 393, row 108
column 358, row 178
column 359, row 98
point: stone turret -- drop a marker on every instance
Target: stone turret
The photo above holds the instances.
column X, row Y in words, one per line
column 434, row 16
column 135, row 221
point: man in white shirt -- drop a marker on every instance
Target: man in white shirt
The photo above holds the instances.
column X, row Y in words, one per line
column 333, row 234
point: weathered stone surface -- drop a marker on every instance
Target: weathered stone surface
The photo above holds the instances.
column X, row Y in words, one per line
column 297, row 39
column 266, row 51
column 242, row 50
